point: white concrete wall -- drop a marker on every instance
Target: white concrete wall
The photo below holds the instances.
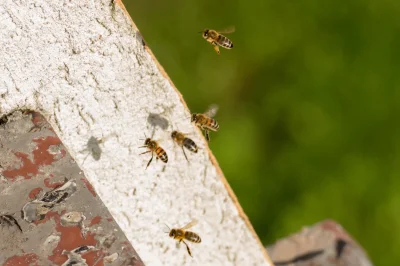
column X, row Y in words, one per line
column 85, row 68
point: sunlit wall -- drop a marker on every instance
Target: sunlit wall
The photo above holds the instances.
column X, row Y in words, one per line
column 309, row 107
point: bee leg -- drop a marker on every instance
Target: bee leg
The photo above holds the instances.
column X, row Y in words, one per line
column 207, row 133
column 151, row 159
column 184, row 153
column 144, row 152
column 188, row 249
column 216, row 48
column 85, row 158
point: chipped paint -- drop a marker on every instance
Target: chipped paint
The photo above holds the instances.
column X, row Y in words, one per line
column 75, row 256
column 41, row 154
column 27, row 170
column 49, row 184
column 72, row 218
column 27, row 259
column 49, row 197
column 89, row 187
column 37, row 209
column 95, row 220
column 35, row 192
column 41, row 157
column 111, row 258
column 71, row 238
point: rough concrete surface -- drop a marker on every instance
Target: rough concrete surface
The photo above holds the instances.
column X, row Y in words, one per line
column 323, row 244
column 84, row 65
column 37, row 171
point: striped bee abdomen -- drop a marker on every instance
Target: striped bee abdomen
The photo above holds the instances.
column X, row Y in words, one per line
column 162, row 154
column 193, row 237
column 190, row 145
column 213, row 125
column 225, row 42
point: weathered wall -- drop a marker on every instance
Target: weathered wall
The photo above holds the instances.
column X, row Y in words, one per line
column 84, row 65
column 60, row 211
column 325, row 243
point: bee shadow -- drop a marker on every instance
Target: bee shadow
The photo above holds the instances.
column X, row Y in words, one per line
column 140, row 38
column 155, row 120
column 93, row 146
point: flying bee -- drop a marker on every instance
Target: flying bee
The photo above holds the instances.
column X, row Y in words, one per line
column 153, row 147
column 217, row 39
column 180, row 234
column 205, row 121
column 183, row 141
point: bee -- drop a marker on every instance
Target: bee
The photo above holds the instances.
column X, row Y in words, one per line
column 153, row 147
column 205, row 121
column 180, row 234
column 217, row 39
column 183, row 141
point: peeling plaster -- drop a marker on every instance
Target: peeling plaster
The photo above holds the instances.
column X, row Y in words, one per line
column 52, row 228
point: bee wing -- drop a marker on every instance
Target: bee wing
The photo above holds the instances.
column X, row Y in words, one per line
column 191, row 224
column 167, row 228
column 228, row 30
column 212, row 110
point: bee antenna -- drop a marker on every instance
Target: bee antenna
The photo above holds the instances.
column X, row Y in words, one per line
column 169, row 229
column 189, row 117
column 144, row 137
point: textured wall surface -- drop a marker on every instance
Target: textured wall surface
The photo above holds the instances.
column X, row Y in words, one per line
column 85, row 67
column 54, row 215
column 323, row 244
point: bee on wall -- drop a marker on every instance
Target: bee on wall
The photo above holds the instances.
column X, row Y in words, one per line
column 217, row 39
column 153, row 147
column 180, row 234
column 184, row 141
column 205, row 121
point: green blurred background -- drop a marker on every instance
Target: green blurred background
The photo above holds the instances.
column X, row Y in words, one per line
column 309, row 107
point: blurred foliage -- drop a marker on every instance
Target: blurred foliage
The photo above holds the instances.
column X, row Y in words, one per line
column 309, row 107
